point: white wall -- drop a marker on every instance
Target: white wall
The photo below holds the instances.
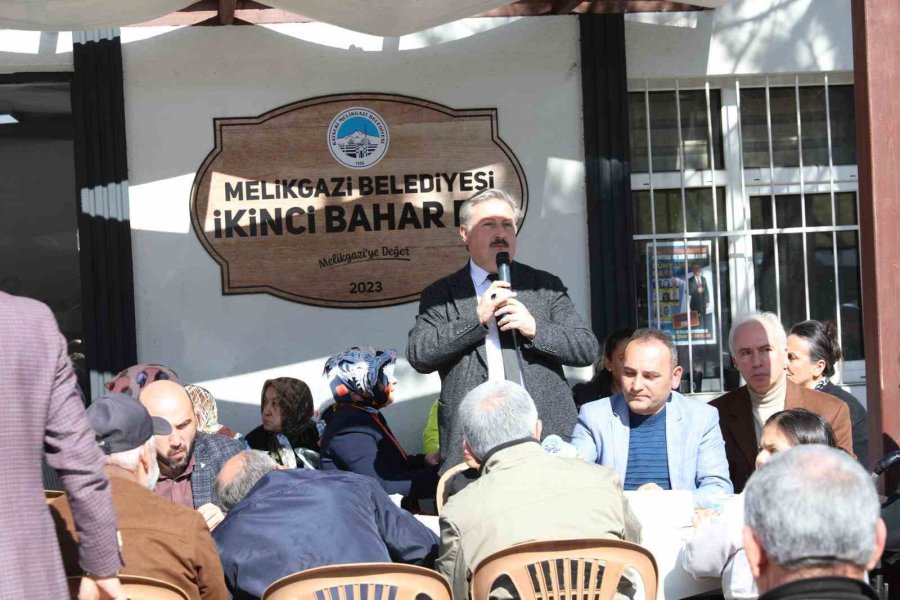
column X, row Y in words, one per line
column 178, row 80
column 742, row 37
column 176, row 83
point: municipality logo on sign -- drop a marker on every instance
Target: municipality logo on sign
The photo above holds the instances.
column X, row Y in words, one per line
column 358, row 137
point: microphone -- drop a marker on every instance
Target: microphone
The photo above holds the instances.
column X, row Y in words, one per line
column 503, row 267
column 515, row 363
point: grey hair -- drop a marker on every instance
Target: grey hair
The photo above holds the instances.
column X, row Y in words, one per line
column 130, row 459
column 253, row 468
column 765, row 319
column 465, row 210
column 657, row 335
column 813, row 506
column 494, row 413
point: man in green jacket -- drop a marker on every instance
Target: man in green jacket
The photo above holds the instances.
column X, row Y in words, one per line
column 523, row 494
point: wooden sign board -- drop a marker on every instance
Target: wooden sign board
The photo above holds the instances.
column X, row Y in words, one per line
column 346, row 201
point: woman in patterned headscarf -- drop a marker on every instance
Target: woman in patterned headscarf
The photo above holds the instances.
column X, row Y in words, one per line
column 357, row 437
column 207, row 413
column 134, row 379
column 288, row 432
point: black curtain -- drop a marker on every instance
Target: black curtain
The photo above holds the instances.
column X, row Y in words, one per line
column 104, row 229
column 608, row 173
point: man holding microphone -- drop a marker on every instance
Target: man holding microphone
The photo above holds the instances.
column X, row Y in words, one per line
column 475, row 325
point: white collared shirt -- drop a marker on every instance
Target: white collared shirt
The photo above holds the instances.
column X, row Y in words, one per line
column 492, row 340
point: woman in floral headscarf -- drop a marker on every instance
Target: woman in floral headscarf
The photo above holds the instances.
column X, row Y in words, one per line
column 207, row 413
column 288, row 432
column 357, row 437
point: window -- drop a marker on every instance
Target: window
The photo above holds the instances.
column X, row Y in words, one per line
column 782, row 118
column 698, row 214
column 746, row 191
column 663, row 115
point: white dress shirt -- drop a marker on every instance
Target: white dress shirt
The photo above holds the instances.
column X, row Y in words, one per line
column 492, row 341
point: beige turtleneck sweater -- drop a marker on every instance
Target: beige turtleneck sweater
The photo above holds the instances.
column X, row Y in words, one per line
column 766, row 405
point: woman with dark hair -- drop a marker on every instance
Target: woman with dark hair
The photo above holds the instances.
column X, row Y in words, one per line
column 357, row 437
column 812, row 353
column 288, row 432
column 717, row 547
column 795, row 427
column 607, row 370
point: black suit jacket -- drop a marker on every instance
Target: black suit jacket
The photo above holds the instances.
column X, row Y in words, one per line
column 699, row 300
column 449, row 338
column 822, row 587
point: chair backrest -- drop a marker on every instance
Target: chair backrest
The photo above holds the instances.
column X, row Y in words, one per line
column 586, row 568
column 139, row 588
column 376, row 581
column 440, row 497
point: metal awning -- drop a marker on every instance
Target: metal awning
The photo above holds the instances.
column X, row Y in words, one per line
column 385, row 18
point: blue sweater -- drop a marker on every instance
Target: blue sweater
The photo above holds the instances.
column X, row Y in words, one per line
column 648, row 458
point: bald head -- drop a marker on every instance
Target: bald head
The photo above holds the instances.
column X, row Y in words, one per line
column 165, row 396
column 239, row 474
column 232, row 468
column 170, row 401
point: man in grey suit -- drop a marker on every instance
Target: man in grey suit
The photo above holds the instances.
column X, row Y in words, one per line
column 188, row 460
column 466, row 318
column 42, row 414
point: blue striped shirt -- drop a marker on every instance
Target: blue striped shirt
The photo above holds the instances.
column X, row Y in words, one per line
column 648, row 456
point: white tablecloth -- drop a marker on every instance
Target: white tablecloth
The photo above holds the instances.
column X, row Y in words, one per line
column 665, row 518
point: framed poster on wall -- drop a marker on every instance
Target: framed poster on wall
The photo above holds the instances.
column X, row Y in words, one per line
column 680, row 294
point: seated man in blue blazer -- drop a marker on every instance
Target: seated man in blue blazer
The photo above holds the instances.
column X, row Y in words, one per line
column 652, row 436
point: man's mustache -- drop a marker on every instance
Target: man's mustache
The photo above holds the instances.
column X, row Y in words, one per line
column 499, row 243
